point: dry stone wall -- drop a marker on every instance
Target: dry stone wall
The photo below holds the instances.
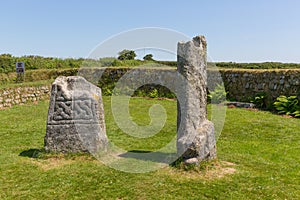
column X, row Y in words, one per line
column 241, row 85
column 21, row 95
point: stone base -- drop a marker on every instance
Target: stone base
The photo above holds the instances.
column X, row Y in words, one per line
column 203, row 145
column 71, row 138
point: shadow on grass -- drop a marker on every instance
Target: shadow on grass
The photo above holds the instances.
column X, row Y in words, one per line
column 158, row 157
column 32, row 153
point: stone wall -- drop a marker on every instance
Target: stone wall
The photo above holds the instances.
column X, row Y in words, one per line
column 21, row 95
column 241, row 85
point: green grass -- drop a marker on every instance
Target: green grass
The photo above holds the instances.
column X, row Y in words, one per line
column 265, row 149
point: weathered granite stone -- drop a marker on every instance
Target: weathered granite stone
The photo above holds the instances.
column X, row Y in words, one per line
column 76, row 117
column 191, row 161
column 195, row 136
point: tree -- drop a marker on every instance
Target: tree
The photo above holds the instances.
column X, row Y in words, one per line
column 148, row 57
column 126, row 55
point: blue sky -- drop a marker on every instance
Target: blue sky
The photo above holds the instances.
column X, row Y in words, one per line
column 236, row 30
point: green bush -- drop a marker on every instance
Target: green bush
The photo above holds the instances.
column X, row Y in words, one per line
column 168, row 63
column 127, row 63
column 265, row 65
column 218, row 95
column 127, row 55
column 297, row 113
column 148, row 57
column 106, row 92
column 107, row 61
column 288, row 106
column 37, row 75
column 260, row 100
column 7, row 62
column 153, row 93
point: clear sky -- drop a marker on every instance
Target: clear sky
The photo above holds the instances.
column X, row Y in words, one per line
column 236, row 30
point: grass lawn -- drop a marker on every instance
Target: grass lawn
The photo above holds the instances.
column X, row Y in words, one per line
column 258, row 158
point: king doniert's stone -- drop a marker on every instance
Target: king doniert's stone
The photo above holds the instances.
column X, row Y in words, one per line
column 76, row 117
column 195, row 134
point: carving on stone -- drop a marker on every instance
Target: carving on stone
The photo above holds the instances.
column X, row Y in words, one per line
column 62, row 111
column 76, row 117
column 79, row 110
column 83, row 110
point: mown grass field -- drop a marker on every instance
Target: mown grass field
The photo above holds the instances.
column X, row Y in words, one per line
column 258, row 158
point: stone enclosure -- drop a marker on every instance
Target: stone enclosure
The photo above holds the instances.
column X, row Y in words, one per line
column 240, row 84
column 76, row 115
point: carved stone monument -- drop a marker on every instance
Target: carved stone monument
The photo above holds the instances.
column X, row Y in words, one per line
column 76, row 117
column 195, row 137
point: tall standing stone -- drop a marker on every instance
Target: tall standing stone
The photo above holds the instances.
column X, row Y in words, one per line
column 195, row 134
column 76, row 117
